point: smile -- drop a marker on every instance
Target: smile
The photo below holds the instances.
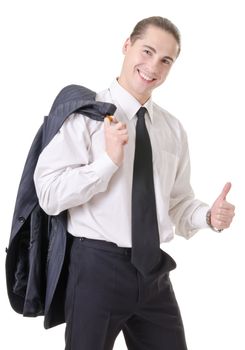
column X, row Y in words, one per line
column 145, row 76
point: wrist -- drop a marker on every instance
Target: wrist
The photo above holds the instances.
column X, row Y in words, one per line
column 208, row 220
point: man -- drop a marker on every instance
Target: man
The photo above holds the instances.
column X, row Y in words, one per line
column 118, row 277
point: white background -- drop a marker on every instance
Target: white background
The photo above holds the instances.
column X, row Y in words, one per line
column 46, row 45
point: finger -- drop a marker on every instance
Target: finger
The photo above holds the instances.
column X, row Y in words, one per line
column 122, row 139
column 224, row 218
column 226, row 211
column 221, row 224
column 125, row 140
column 226, row 206
column 110, row 119
column 218, row 220
column 225, row 191
column 120, row 126
column 122, row 132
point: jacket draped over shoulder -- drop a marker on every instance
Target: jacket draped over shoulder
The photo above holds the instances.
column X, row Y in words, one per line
column 38, row 251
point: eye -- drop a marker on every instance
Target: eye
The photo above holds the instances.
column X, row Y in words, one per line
column 147, row 52
column 166, row 61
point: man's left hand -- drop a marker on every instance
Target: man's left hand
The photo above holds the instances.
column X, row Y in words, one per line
column 222, row 212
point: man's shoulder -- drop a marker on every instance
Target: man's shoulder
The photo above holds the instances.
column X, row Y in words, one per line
column 164, row 115
column 103, row 96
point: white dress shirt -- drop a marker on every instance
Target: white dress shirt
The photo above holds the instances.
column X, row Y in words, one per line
column 74, row 172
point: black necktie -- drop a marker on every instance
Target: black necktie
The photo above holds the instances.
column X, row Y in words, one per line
column 145, row 235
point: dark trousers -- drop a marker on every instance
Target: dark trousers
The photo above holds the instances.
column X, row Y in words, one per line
column 106, row 294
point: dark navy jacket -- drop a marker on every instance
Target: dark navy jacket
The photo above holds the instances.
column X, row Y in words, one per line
column 38, row 251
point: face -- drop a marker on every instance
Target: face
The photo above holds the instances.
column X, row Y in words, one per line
column 147, row 62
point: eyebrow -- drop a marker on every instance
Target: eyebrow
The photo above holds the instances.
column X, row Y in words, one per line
column 154, row 50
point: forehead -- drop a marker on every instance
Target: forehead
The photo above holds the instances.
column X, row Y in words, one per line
column 159, row 39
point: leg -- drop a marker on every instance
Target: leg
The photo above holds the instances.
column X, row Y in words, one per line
column 157, row 324
column 102, row 287
column 90, row 287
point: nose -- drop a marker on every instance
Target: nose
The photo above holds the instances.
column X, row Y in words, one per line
column 154, row 66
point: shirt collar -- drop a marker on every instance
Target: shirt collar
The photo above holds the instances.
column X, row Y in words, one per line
column 127, row 102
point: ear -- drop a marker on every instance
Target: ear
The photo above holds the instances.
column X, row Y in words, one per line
column 126, row 46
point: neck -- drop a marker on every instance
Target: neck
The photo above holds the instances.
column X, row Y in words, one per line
column 140, row 98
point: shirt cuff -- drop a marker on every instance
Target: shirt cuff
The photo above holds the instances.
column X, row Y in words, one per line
column 198, row 218
column 104, row 168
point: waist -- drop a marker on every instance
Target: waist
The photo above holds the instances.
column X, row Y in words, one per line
column 110, row 224
column 102, row 245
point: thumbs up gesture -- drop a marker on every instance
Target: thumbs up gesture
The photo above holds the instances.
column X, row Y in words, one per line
column 222, row 212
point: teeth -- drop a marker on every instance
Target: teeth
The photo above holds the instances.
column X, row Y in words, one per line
column 144, row 76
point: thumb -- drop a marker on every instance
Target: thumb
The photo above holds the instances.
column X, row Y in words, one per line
column 225, row 191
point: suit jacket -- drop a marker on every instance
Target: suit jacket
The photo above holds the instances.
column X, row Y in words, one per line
column 38, row 252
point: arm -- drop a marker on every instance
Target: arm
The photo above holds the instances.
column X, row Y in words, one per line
column 187, row 213
column 65, row 176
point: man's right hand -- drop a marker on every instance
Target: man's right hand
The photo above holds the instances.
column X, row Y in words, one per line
column 116, row 136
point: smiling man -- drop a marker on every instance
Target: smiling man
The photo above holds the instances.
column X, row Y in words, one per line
column 148, row 59
column 125, row 184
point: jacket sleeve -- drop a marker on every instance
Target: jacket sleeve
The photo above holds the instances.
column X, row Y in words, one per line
column 67, row 174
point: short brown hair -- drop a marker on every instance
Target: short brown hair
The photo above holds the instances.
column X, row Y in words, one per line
column 157, row 21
